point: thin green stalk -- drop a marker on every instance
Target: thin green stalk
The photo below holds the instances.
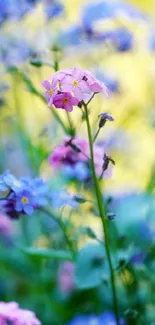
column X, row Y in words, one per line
column 90, row 99
column 102, row 215
column 72, row 129
column 61, row 224
column 96, row 135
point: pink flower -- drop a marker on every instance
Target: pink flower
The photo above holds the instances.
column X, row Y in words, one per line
column 51, row 90
column 65, row 101
column 5, row 225
column 65, row 154
column 10, row 312
column 95, row 85
column 75, row 83
column 58, row 156
column 61, row 87
column 65, row 277
column 75, row 150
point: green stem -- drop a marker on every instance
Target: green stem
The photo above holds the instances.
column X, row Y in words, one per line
column 61, row 224
column 96, row 135
column 72, row 129
column 90, row 99
column 102, row 215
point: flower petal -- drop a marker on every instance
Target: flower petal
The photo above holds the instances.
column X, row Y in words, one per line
column 78, row 93
column 68, row 107
column 46, row 84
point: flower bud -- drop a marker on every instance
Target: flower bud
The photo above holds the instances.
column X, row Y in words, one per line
column 104, row 117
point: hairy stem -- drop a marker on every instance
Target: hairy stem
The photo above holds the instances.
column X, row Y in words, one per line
column 62, row 225
column 102, row 214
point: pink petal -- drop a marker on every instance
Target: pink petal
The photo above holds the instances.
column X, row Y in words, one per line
column 67, row 88
column 58, row 103
column 46, row 84
column 83, row 85
column 47, row 96
column 77, row 74
column 96, row 87
column 106, row 91
column 74, row 101
column 54, row 82
column 78, row 93
column 50, row 101
column 68, row 107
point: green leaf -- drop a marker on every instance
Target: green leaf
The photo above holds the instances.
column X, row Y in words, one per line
column 89, row 268
column 47, row 253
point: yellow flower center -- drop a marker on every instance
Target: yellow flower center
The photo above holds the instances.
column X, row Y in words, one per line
column 16, row 183
column 65, row 100
column 51, row 91
column 24, row 200
column 75, row 83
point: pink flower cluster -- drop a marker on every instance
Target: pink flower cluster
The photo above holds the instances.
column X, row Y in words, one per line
column 75, row 150
column 10, row 313
column 66, row 88
column 5, row 225
column 66, row 277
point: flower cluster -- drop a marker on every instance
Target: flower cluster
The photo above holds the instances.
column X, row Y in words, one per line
column 10, row 313
column 26, row 194
column 74, row 157
column 23, row 195
column 107, row 318
column 66, row 277
column 67, row 88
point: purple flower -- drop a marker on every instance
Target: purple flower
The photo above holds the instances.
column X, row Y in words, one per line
column 65, row 101
column 51, row 90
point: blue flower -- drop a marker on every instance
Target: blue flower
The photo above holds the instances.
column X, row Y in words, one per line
column 63, row 197
column 72, row 36
column 78, row 171
column 25, row 202
column 107, row 318
column 3, row 185
column 96, row 11
column 12, row 182
column 39, row 189
column 104, row 117
column 106, row 9
column 122, row 39
column 53, row 9
column 14, row 9
column 111, row 83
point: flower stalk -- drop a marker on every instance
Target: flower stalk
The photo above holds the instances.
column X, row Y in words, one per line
column 62, row 225
column 102, row 214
